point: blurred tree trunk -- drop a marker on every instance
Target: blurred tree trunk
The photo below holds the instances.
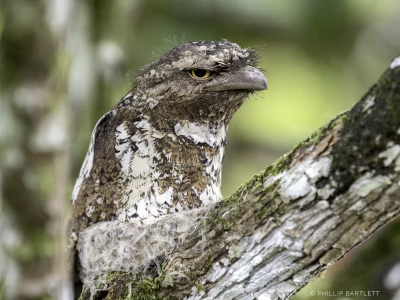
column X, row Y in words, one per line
column 55, row 76
column 288, row 224
column 38, row 54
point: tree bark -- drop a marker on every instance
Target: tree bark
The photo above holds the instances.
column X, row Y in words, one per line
column 301, row 214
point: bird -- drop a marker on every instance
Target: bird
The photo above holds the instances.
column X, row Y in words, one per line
column 159, row 151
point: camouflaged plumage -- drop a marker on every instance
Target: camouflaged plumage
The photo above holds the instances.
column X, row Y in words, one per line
column 160, row 150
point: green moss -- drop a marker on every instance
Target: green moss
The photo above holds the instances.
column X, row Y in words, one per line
column 126, row 286
column 199, row 287
column 227, row 223
column 339, row 120
column 147, row 288
column 208, row 262
column 268, row 209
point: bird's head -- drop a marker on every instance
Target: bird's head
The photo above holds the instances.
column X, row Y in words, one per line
column 200, row 81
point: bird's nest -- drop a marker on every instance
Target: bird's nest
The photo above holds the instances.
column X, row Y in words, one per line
column 128, row 247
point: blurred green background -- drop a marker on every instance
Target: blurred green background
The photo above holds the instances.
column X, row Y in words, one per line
column 65, row 63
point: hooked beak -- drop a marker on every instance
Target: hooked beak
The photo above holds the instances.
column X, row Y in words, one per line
column 247, row 78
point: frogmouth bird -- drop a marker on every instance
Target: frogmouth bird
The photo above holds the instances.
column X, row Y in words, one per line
column 159, row 150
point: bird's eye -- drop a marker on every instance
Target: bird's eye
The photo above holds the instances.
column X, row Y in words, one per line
column 200, row 74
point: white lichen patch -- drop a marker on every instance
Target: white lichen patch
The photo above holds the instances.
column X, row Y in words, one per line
column 299, row 181
column 318, row 169
column 395, row 63
column 369, row 102
column 294, row 186
column 368, row 183
column 270, row 180
column 325, row 192
column 390, row 155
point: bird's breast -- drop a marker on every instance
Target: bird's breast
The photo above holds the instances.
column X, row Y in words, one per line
column 165, row 173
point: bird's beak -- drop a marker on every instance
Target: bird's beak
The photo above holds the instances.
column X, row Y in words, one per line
column 246, row 78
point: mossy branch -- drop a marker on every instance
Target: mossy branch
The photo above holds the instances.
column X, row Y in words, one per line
column 289, row 223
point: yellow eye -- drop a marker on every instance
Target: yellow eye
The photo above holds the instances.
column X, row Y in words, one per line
column 200, row 74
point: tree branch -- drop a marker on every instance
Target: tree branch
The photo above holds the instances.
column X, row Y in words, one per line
column 286, row 225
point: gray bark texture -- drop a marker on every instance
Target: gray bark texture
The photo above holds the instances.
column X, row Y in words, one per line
column 34, row 156
column 286, row 225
